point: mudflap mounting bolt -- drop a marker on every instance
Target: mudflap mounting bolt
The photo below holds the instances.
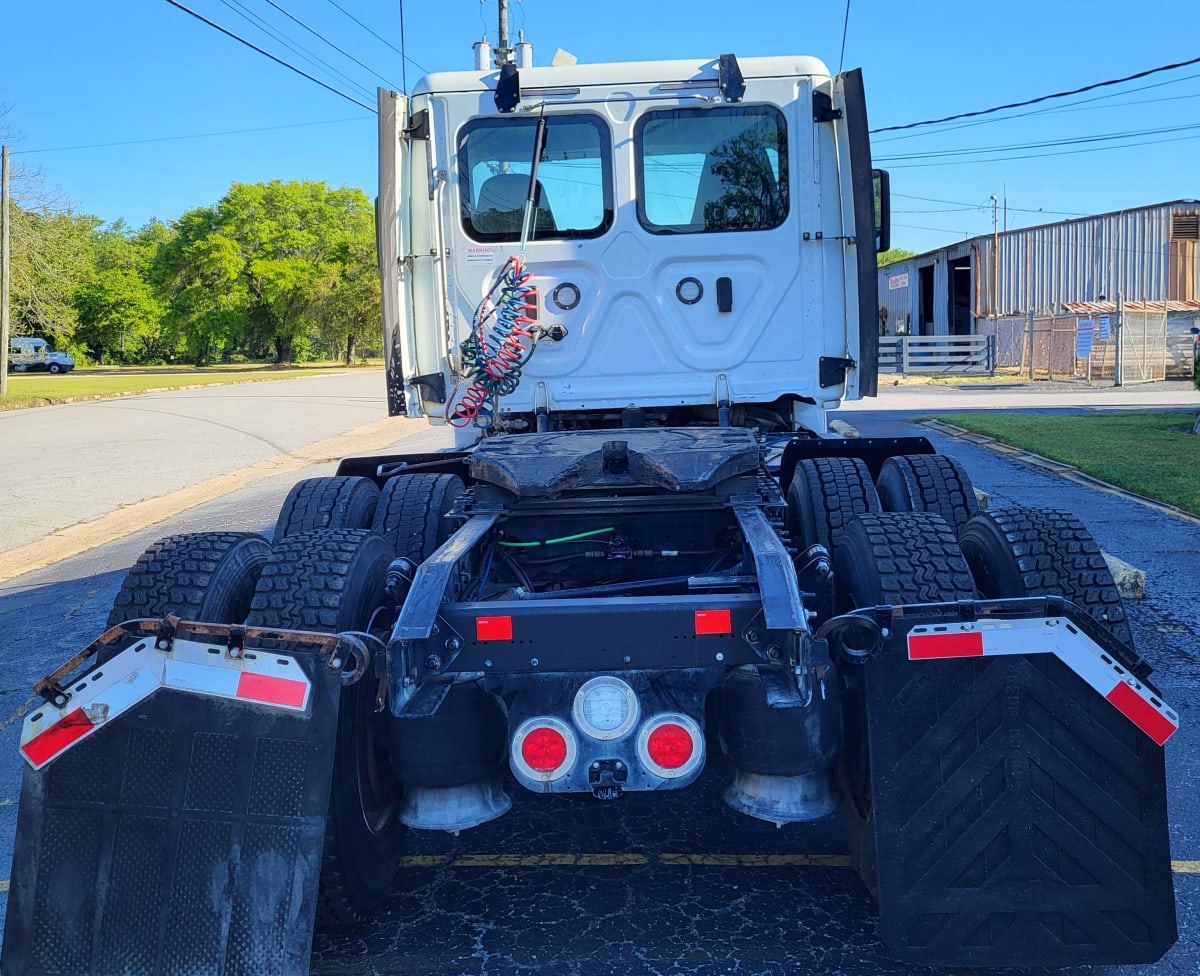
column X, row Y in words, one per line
column 453, row 643
column 773, row 653
column 433, row 662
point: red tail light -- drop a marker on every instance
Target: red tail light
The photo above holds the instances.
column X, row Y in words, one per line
column 671, row 745
column 543, row 749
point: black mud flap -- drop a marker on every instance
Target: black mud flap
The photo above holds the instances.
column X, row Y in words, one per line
column 183, row 836
column 1018, row 800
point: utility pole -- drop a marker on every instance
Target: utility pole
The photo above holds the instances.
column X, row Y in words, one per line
column 995, row 259
column 4, row 272
column 1119, row 358
column 504, row 53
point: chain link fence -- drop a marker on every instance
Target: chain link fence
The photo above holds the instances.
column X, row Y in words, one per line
column 1082, row 347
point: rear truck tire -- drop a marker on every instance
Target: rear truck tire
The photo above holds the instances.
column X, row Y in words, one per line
column 885, row 559
column 1013, row 817
column 1016, row 552
column 824, row 495
column 332, row 581
column 327, row 503
column 412, row 510
column 206, row 576
column 927, row 483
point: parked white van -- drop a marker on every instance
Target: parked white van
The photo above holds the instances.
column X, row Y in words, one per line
column 35, row 354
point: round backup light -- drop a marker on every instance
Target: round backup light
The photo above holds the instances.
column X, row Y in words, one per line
column 605, row 708
column 543, row 749
column 671, row 745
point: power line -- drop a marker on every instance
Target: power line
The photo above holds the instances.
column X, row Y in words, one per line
column 267, row 54
column 980, row 206
column 1083, row 105
column 845, row 28
column 1066, row 152
column 256, row 21
column 1040, row 98
column 1049, row 144
column 346, row 54
column 377, row 37
column 194, row 135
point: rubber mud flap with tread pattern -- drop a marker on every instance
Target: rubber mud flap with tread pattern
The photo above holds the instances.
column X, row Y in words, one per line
column 185, row 836
column 332, row 581
column 1019, row 819
column 1013, row 817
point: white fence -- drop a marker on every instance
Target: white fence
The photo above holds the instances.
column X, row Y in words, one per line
column 937, row 354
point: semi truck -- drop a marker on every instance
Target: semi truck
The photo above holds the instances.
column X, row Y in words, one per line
column 631, row 293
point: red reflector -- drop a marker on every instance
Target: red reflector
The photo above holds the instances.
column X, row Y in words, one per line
column 544, row 749
column 713, row 622
column 71, row 728
column 670, row 745
column 273, row 691
column 924, row 647
column 493, row 628
column 1141, row 713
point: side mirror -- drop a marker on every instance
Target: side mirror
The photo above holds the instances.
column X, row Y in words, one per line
column 883, row 210
column 1194, row 330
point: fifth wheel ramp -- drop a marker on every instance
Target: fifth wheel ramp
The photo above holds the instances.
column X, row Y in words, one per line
column 1019, row 818
column 183, row 833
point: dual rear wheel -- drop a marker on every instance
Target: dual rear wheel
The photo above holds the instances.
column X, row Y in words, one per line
column 326, row 570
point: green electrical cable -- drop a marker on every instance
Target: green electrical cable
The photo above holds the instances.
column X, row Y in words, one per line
column 565, row 538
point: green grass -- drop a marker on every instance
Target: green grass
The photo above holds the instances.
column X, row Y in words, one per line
column 1153, row 454
column 42, row 389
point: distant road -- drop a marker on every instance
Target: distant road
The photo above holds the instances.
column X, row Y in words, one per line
column 92, row 462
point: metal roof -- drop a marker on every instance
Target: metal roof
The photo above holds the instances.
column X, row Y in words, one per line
column 1110, row 308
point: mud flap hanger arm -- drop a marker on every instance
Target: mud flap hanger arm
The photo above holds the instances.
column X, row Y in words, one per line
column 335, row 649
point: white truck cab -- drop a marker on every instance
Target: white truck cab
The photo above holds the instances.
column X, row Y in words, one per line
column 704, row 238
column 31, row 354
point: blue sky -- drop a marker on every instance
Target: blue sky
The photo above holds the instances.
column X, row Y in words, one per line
column 80, row 74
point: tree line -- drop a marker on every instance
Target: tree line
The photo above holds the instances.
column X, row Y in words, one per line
column 282, row 271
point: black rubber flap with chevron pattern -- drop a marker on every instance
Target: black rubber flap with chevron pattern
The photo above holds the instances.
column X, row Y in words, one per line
column 1019, row 819
column 183, row 838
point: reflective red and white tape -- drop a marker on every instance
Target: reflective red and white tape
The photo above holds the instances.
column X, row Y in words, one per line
column 1050, row 635
column 255, row 677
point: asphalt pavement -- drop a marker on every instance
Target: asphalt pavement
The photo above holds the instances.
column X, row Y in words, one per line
column 652, row 884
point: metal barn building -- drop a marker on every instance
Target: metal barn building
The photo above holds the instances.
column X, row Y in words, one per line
column 1149, row 256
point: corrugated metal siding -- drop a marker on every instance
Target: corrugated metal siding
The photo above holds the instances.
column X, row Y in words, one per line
column 901, row 303
column 1127, row 252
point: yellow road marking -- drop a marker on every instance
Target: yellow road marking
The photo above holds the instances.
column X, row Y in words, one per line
column 668, row 859
column 638, row 860
column 131, row 518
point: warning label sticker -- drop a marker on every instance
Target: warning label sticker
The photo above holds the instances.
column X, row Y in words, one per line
column 480, row 255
